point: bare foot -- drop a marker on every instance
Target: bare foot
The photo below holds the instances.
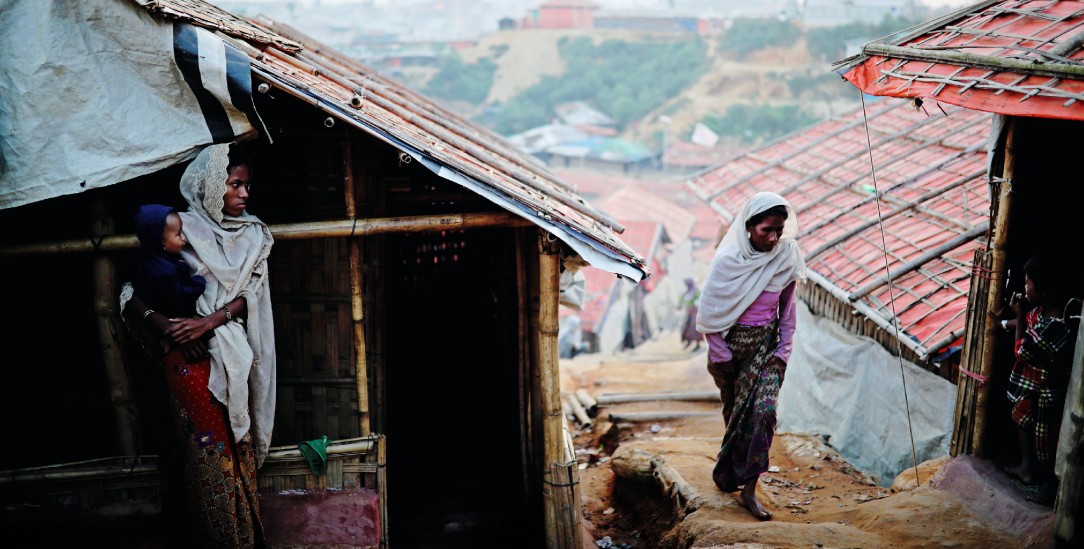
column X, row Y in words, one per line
column 750, row 502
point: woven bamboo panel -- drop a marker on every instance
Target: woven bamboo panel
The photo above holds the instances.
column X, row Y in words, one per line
column 94, row 482
column 317, row 393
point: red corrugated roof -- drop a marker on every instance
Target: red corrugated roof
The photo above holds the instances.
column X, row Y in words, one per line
column 599, row 285
column 1019, row 58
column 631, row 203
column 934, row 206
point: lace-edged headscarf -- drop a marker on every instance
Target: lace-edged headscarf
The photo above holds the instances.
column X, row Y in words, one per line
column 231, row 253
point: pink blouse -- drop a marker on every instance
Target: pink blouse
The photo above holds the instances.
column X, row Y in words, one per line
column 767, row 307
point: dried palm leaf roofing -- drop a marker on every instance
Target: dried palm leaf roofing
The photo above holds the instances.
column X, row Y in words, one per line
column 1020, row 58
column 444, row 141
column 930, row 195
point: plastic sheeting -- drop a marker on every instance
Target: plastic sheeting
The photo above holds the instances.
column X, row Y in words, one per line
column 850, row 388
column 91, row 95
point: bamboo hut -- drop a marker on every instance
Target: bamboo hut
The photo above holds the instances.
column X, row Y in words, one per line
column 888, row 254
column 414, row 276
column 1022, row 61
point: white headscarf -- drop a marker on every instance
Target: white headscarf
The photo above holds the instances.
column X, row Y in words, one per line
column 739, row 273
column 231, row 253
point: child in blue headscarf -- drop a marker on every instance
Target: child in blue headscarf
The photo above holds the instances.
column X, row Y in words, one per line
column 162, row 278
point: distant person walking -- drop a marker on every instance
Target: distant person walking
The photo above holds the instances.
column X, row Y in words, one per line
column 747, row 314
column 690, row 303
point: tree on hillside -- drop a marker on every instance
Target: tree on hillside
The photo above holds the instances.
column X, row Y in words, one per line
column 747, row 35
column 626, row 80
column 459, row 81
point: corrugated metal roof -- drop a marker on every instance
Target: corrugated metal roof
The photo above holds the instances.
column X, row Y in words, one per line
column 454, row 147
column 1017, row 57
column 933, row 204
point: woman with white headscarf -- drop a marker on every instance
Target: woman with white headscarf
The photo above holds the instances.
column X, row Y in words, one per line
column 747, row 314
column 220, row 364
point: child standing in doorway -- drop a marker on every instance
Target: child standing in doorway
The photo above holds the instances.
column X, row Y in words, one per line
column 1044, row 328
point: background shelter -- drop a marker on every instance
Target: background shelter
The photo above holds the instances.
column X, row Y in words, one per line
column 888, row 266
column 414, row 278
column 1024, row 62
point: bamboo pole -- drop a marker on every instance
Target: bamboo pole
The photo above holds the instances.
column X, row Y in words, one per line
column 1070, row 507
column 357, row 306
column 105, row 301
column 997, row 278
column 616, row 398
column 589, row 402
column 577, row 410
column 557, row 487
column 296, row 231
column 524, row 379
column 636, row 417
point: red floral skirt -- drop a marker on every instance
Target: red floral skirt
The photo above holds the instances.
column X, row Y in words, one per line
column 217, row 475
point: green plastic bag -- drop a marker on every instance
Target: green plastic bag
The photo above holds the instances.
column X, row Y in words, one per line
column 315, row 454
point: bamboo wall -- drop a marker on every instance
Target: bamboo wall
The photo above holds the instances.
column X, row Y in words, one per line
column 311, row 294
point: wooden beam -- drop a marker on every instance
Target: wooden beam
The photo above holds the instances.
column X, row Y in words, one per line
column 298, row 231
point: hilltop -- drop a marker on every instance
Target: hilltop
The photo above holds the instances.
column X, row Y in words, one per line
column 777, row 76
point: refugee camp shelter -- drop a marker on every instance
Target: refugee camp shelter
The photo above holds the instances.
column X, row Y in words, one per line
column 1024, row 62
column 888, row 253
column 414, row 279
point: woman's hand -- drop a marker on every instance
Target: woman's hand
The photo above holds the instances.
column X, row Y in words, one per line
column 187, row 330
column 779, row 366
column 194, row 351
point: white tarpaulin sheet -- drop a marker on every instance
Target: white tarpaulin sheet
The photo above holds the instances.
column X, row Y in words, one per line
column 850, row 388
column 96, row 92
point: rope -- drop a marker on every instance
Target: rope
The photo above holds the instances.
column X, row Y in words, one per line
column 891, row 294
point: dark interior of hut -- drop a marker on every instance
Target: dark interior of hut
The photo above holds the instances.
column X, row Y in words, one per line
column 455, row 467
column 1045, row 220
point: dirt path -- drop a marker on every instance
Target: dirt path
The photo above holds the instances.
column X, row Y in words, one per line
column 648, row 483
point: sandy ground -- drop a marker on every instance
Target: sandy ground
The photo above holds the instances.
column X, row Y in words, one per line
column 647, row 482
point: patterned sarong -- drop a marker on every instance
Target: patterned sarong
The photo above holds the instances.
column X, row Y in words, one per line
column 218, row 477
column 749, row 392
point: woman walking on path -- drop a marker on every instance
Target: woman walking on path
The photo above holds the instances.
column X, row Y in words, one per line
column 219, row 364
column 747, row 314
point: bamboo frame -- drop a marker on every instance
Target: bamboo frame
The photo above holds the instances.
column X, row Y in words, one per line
column 559, row 485
column 297, row 231
column 1071, row 71
column 964, row 416
column 1000, row 236
column 105, row 286
column 357, row 305
column 617, row 398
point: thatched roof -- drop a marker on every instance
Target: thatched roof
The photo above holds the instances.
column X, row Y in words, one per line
column 928, row 192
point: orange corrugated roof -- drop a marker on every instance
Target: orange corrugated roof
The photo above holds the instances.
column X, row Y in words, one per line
column 933, row 203
column 1020, row 58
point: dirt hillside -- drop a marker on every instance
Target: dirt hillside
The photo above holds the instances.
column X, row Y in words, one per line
column 646, row 483
column 529, row 55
